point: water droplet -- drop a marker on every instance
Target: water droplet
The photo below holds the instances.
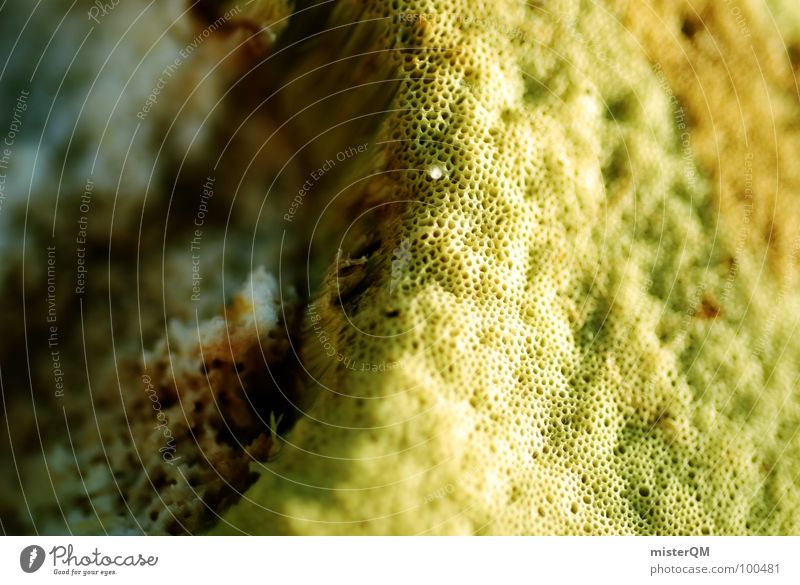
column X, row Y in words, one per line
column 435, row 172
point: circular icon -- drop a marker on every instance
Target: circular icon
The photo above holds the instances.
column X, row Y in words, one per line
column 31, row 558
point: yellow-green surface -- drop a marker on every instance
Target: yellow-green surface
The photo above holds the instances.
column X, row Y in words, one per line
column 561, row 331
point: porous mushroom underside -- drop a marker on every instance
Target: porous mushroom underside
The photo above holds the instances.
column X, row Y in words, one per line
column 548, row 285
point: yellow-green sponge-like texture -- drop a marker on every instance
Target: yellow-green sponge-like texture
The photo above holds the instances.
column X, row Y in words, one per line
column 551, row 329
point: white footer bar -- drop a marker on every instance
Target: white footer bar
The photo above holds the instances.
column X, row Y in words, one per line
column 401, row 560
